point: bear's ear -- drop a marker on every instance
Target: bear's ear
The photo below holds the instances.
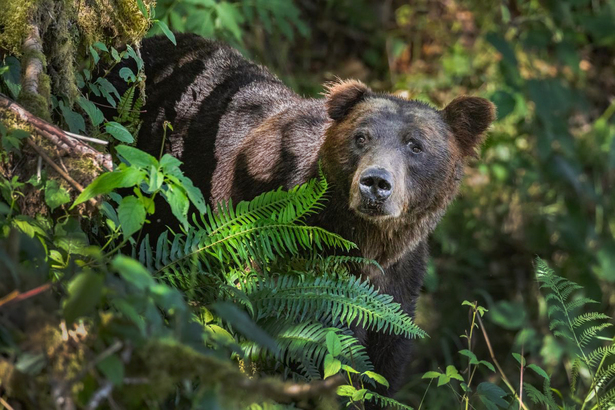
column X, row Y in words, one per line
column 469, row 118
column 341, row 96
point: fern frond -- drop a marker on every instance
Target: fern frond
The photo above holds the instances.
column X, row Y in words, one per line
column 576, row 365
column 280, row 206
column 544, row 397
column 599, row 354
column 560, row 302
column 124, row 106
column 588, row 317
column 305, row 344
column 589, row 333
column 605, row 375
column 607, row 400
column 387, row 402
column 345, row 301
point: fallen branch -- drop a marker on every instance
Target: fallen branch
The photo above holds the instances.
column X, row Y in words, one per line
column 59, row 170
column 56, row 135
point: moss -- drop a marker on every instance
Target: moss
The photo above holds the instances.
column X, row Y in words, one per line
column 14, row 18
column 67, row 29
column 35, row 103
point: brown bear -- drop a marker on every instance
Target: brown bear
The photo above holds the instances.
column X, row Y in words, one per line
column 393, row 164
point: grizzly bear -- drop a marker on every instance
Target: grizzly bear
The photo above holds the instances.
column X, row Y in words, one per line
column 393, row 164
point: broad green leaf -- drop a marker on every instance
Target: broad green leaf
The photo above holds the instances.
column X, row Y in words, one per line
column 74, row 120
column 539, row 370
column 346, row 391
column 133, row 272
column 96, row 116
column 142, row 8
column 178, row 201
column 332, row 366
column 229, row 18
column 127, row 75
column 165, row 29
column 194, row 194
column 491, row 396
column 55, row 195
column 155, row 179
column 124, row 177
column 119, row 132
column 487, row 365
column 334, row 346
column 472, row 356
column 443, row 379
column 84, row 293
column 136, row 157
column 431, row 375
column 359, row 395
column 113, row 369
column 101, row 46
column 377, row 377
column 94, row 54
column 349, row 369
column 452, row 372
column 169, row 164
column 108, row 90
column 131, row 213
column 519, row 359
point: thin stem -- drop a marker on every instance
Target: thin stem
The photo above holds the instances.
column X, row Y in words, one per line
column 521, row 379
column 497, row 364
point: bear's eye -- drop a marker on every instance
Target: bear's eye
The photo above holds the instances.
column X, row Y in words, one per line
column 360, row 139
column 415, row 146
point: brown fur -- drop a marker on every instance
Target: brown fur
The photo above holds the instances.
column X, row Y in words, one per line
column 241, row 132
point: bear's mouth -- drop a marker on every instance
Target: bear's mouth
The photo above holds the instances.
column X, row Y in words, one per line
column 372, row 209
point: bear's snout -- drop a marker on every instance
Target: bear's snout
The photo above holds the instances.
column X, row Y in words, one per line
column 376, row 185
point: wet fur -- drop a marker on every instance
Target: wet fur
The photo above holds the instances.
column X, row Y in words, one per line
column 240, row 131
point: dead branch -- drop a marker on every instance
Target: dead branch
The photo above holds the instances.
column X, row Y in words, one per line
column 56, row 135
column 59, row 170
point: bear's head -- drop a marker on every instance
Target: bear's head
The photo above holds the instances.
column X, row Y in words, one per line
column 398, row 161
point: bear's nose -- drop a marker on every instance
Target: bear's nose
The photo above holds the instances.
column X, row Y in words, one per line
column 376, row 184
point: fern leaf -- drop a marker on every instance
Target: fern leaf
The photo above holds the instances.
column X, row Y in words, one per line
column 305, row 344
column 345, row 301
column 589, row 333
column 386, row 402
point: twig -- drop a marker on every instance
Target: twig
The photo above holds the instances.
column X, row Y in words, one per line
column 81, row 137
column 5, row 404
column 57, row 136
column 115, row 347
column 99, row 395
column 59, row 170
column 15, row 296
column 497, row 364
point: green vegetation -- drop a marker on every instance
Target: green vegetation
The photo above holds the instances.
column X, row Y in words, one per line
column 239, row 305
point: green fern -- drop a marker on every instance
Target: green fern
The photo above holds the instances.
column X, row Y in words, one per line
column 387, row 402
column 342, row 301
column 582, row 330
column 544, row 397
column 261, row 257
column 259, row 231
column 304, row 343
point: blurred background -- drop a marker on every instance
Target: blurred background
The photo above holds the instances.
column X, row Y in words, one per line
column 543, row 185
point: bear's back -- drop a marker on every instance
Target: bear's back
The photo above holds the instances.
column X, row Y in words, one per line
column 229, row 112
